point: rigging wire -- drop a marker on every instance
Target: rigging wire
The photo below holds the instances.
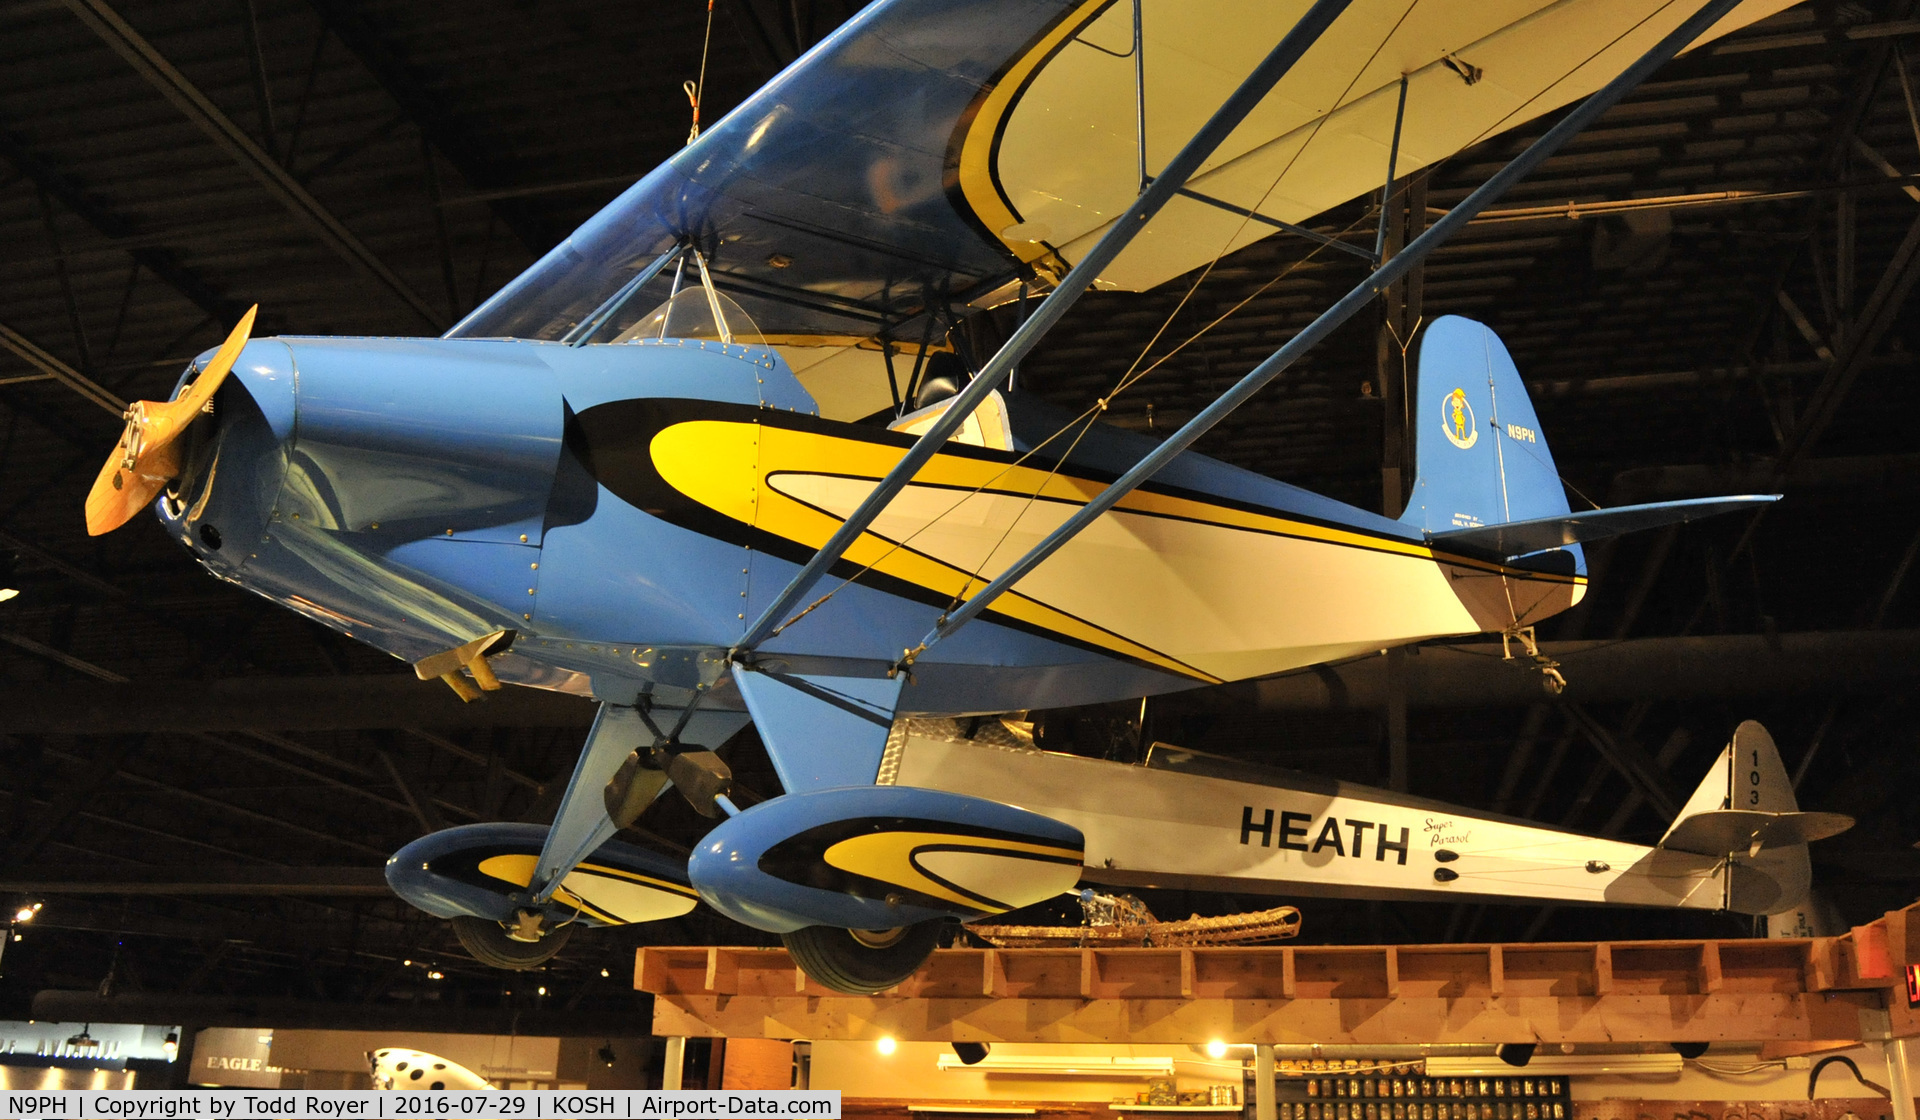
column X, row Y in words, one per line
column 1484, row 134
column 1135, row 372
column 1128, row 379
column 1088, row 417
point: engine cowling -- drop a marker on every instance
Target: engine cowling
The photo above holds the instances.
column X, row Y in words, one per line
column 878, row 857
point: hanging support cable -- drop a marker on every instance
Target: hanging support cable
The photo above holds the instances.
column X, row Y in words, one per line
column 1164, row 187
column 1333, row 317
column 697, row 88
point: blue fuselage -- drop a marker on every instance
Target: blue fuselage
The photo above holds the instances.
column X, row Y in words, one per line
column 417, row 493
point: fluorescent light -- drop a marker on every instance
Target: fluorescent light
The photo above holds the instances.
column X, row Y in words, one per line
column 1076, row 1065
column 1552, row 1064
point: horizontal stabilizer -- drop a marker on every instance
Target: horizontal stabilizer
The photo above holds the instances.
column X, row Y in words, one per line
column 1721, row 832
column 1519, row 538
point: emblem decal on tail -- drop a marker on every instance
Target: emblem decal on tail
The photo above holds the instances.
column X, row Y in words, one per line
column 1456, row 420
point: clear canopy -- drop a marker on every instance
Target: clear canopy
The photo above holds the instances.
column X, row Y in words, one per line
column 690, row 314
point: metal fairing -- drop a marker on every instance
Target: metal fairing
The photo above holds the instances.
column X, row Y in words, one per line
column 474, row 870
column 878, row 857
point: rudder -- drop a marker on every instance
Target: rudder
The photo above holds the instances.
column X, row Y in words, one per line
column 1480, row 458
column 1745, row 811
column 1484, row 480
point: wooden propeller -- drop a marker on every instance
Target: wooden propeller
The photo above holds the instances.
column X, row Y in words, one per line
column 148, row 457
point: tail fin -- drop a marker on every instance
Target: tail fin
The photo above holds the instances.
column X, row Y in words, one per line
column 1484, row 477
column 1745, row 812
column 1480, row 457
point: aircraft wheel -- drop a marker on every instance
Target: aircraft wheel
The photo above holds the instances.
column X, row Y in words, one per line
column 862, row 961
column 489, row 944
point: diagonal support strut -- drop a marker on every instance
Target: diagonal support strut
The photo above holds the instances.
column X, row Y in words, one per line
column 1163, row 189
column 1522, row 164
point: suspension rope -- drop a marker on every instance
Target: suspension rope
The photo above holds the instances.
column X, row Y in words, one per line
column 698, row 88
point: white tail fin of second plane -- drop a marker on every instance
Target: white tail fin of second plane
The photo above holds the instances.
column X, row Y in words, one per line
column 1744, row 811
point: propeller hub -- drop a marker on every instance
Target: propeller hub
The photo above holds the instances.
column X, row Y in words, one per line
column 147, row 457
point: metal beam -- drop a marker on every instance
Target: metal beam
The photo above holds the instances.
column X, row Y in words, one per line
column 78, row 202
column 60, row 657
column 1647, row 777
column 1874, row 479
column 441, row 128
column 130, row 45
column 60, row 371
column 422, row 806
column 88, row 1006
column 1472, row 675
column 200, row 879
column 1876, row 318
column 348, row 703
column 73, row 799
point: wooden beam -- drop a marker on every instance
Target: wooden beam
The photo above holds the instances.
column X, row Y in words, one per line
column 1722, row 1017
column 1769, row 991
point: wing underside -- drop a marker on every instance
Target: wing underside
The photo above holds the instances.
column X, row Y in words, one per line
column 934, row 155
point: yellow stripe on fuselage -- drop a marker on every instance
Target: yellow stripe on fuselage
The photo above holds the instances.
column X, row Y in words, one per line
column 723, row 465
column 736, row 468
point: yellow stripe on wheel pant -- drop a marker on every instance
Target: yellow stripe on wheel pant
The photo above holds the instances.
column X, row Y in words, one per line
column 609, row 894
column 895, row 857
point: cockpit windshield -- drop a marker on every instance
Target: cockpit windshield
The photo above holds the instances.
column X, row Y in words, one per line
column 692, row 314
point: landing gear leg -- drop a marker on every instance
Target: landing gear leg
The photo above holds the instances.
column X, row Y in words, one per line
column 1551, row 682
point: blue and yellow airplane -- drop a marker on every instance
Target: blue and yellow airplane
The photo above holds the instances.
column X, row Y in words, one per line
column 692, row 463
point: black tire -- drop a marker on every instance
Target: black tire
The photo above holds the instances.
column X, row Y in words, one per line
column 862, row 962
column 487, row 943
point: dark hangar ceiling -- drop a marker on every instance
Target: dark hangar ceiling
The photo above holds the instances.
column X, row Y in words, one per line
column 227, row 782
